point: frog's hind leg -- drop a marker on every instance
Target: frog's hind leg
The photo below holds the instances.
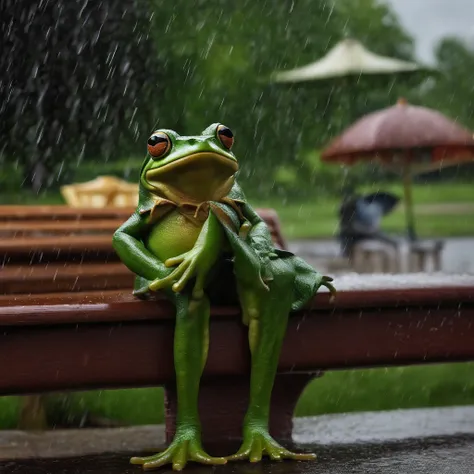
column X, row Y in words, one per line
column 190, row 352
column 266, row 314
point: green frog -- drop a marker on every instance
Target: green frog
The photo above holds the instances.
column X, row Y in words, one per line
column 195, row 237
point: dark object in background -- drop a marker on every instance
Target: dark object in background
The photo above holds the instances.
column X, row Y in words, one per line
column 360, row 216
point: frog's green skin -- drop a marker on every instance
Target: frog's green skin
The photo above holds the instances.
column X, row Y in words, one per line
column 170, row 249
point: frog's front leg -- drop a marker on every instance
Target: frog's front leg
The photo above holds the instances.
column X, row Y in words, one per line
column 266, row 314
column 190, row 351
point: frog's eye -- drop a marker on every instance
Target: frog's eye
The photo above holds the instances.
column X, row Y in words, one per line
column 158, row 144
column 225, row 136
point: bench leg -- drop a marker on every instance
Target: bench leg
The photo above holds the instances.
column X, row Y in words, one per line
column 223, row 402
column 32, row 413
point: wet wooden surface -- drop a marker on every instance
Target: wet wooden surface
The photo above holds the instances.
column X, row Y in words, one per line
column 54, row 212
column 368, row 292
column 25, row 228
column 25, row 217
column 46, row 249
column 79, row 342
column 57, row 277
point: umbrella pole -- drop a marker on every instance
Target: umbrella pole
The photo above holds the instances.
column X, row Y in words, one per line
column 408, row 197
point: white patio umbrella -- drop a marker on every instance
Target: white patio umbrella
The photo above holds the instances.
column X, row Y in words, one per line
column 349, row 57
column 344, row 64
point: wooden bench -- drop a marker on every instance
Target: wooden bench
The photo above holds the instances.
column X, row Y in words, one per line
column 67, row 330
column 56, row 249
column 47, row 249
column 108, row 339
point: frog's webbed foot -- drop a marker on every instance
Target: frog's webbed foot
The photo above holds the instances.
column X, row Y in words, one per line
column 258, row 442
column 185, row 447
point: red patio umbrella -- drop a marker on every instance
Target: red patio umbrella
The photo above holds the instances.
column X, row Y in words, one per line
column 409, row 139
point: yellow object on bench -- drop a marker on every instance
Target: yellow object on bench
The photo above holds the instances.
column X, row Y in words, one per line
column 101, row 192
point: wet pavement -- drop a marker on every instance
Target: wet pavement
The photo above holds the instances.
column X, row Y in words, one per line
column 453, row 455
column 426, row 441
column 457, row 255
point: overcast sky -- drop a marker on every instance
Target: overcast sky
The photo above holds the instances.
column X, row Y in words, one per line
column 429, row 20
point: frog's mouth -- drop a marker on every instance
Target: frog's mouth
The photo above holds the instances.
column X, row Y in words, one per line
column 204, row 176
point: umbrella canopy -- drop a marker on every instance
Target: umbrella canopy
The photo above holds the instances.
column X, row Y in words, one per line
column 419, row 138
column 408, row 139
column 348, row 57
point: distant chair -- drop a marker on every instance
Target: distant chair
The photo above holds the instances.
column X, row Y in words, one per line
column 425, row 256
column 360, row 217
column 374, row 256
column 103, row 191
column 369, row 250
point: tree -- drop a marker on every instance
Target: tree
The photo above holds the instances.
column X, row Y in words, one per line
column 89, row 80
column 452, row 89
column 227, row 51
column 77, row 81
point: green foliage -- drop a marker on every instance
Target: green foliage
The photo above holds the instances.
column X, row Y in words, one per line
column 388, row 389
column 11, row 179
column 451, row 90
column 316, row 216
column 124, row 168
column 218, row 62
column 188, row 70
column 309, row 176
column 9, row 412
column 78, row 80
column 12, row 175
column 335, row 392
column 375, row 24
column 138, row 406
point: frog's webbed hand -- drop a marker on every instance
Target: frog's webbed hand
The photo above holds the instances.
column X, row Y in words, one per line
column 195, row 263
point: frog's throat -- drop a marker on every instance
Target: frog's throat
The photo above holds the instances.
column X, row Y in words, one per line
column 196, row 178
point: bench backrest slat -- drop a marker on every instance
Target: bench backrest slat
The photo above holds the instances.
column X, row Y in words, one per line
column 52, row 213
column 64, row 249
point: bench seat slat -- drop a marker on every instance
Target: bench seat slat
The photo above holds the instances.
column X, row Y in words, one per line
column 133, row 345
column 51, row 213
column 59, row 243
column 73, row 249
column 21, row 228
column 103, row 303
column 61, row 277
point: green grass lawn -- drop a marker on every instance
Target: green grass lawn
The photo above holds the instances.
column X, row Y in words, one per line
column 318, row 217
column 335, row 392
